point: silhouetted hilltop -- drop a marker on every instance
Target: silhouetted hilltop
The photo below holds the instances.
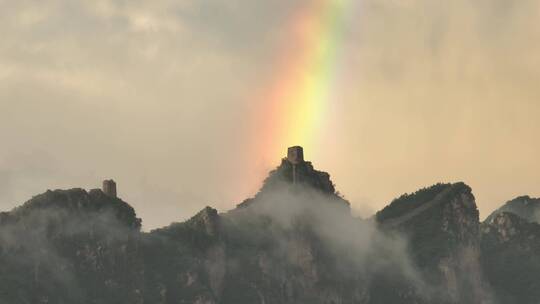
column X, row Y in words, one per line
column 69, row 246
column 298, row 177
column 78, row 202
column 441, row 224
column 306, row 175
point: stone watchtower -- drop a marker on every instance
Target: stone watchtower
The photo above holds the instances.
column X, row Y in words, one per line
column 109, row 187
column 295, row 155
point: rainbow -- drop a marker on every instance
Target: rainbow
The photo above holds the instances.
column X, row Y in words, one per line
column 294, row 107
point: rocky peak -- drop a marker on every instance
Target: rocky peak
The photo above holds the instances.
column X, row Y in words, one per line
column 295, row 175
column 510, row 246
column 524, row 206
column 450, row 198
column 305, row 174
column 444, row 215
column 504, row 225
column 64, row 244
column 78, row 202
column 507, row 226
column 441, row 223
column 206, row 220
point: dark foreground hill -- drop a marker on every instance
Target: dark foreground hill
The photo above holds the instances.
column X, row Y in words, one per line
column 294, row 242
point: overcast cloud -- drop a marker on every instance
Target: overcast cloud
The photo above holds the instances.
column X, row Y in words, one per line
column 159, row 96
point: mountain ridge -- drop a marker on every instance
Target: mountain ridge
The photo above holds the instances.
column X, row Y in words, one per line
column 295, row 241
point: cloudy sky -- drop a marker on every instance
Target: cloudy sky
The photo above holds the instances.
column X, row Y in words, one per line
column 162, row 95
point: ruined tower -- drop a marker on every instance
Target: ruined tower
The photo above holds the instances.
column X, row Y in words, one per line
column 295, row 155
column 109, row 187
